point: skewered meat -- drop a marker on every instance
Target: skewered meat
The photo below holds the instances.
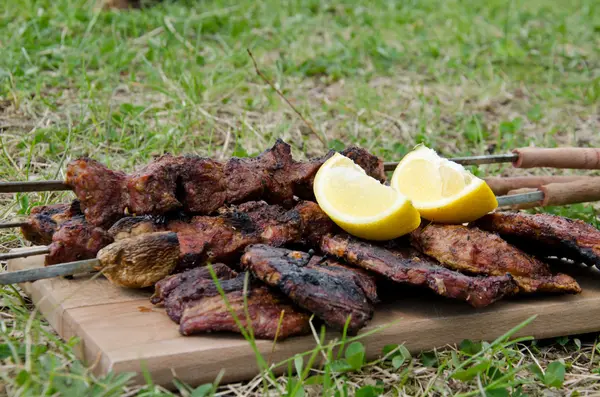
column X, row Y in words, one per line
column 476, row 251
column 328, row 292
column 199, row 185
column 44, row 220
column 209, row 239
column 76, row 240
column 546, row 235
column 405, row 265
column 271, row 314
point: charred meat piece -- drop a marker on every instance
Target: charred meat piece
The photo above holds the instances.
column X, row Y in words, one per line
column 76, row 240
column 153, row 188
column 143, row 259
column 546, row 235
column 331, row 296
column 405, row 265
column 101, row 191
column 271, row 314
column 46, row 219
column 476, row 251
column 199, row 185
column 175, row 291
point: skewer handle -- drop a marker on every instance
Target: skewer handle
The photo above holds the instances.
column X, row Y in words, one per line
column 574, row 158
column 582, row 191
column 24, row 253
column 501, row 186
column 33, row 186
column 65, row 269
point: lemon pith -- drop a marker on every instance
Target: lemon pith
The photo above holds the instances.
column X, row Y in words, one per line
column 441, row 190
column 360, row 204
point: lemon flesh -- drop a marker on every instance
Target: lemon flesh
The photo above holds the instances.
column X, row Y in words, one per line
column 441, row 190
column 360, row 204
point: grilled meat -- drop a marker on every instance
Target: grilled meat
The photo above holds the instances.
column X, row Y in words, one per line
column 199, row 185
column 476, row 251
column 405, row 265
column 271, row 314
column 76, row 240
column 176, row 291
column 44, row 220
column 207, row 239
column 193, row 301
column 546, row 235
column 328, row 292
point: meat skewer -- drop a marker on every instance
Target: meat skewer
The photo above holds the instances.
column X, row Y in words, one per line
column 546, row 235
column 145, row 251
column 199, row 185
column 407, row 266
column 573, row 158
column 476, row 251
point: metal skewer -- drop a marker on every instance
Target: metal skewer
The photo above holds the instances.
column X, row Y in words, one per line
column 7, row 225
column 471, row 160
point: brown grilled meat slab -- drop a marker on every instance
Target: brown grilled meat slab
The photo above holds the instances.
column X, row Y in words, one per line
column 199, row 185
column 76, row 240
column 331, row 296
column 44, row 220
column 405, row 265
column 176, row 291
column 546, row 235
column 270, row 314
column 475, row 251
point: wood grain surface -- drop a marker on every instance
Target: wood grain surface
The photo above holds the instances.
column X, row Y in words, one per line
column 121, row 331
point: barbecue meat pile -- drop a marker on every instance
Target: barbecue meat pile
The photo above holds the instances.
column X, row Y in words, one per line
column 330, row 292
column 546, row 235
column 199, row 185
column 405, row 265
column 45, row 220
column 193, row 301
column 479, row 252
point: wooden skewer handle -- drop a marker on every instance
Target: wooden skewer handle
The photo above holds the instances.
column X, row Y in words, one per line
column 574, row 158
column 571, row 193
column 582, row 191
column 501, row 186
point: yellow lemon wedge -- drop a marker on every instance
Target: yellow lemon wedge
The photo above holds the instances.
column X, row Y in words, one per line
column 360, row 204
column 442, row 190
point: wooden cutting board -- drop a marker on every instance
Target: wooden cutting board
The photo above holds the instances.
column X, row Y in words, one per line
column 121, row 331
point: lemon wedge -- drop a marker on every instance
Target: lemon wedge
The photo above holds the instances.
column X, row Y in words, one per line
column 442, row 190
column 360, row 204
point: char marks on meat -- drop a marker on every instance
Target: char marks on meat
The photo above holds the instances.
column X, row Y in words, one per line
column 328, row 292
column 405, row 265
column 546, row 235
column 192, row 299
column 176, row 291
column 45, row 220
column 199, row 185
column 475, row 251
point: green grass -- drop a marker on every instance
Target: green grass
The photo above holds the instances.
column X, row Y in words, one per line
column 462, row 77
